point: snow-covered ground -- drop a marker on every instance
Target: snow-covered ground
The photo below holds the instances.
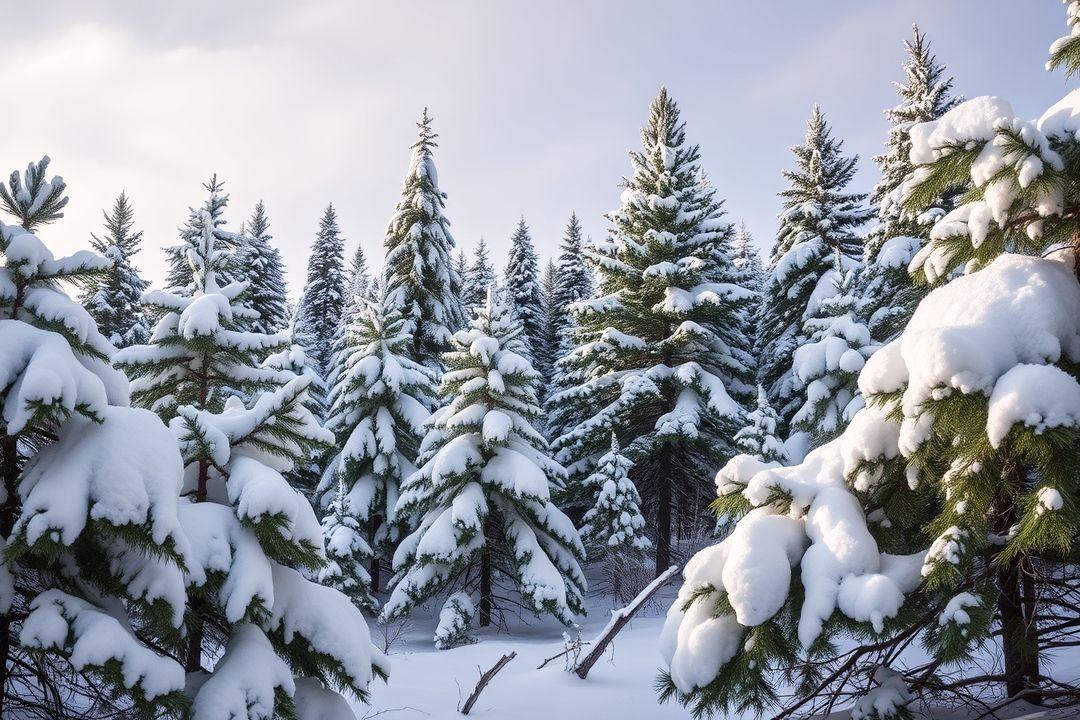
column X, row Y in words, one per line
column 430, row 683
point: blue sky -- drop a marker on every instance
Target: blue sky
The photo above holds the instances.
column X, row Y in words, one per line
column 300, row 104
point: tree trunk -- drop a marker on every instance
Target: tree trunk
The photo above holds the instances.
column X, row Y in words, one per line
column 1031, row 628
column 486, row 600
column 663, row 511
column 373, row 526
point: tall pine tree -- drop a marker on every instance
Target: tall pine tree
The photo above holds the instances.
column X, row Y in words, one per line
column 574, row 281
column 480, row 277
column 522, row 288
column 889, row 294
column 549, row 343
column 260, row 264
column 420, row 277
column 818, row 223
column 652, row 366
column 323, row 302
column 114, row 299
column 482, row 493
column 178, row 276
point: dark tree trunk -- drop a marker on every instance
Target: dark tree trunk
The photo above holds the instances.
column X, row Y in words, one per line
column 486, row 600
column 376, row 563
column 663, row 511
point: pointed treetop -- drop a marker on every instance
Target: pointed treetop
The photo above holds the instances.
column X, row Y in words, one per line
column 614, row 444
column 426, row 136
column 33, row 199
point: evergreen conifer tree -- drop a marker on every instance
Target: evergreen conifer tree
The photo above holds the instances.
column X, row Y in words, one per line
column 946, row 514
column 113, row 299
column 420, row 279
column 758, row 437
column 614, row 523
column 378, row 413
column 889, row 293
column 260, row 264
column 818, row 222
column 574, row 281
column 827, row 365
column 178, row 277
column 522, row 288
column 482, row 493
column 91, row 591
column 549, row 342
column 359, row 280
column 652, row 366
column 323, row 303
column 348, row 554
column 480, row 277
column 253, row 538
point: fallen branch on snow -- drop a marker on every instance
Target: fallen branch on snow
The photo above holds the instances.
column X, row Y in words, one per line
column 485, row 678
column 619, row 619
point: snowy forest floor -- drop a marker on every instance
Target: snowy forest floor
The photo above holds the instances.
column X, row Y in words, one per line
column 426, row 683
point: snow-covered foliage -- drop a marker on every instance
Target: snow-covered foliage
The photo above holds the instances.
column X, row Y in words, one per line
column 210, row 215
column 1065, row 51
column 918, row 521
column 481, row 497
column 114, row 298
column 199, row 352
column 573, row 282
column 758, row 437
column 348, row 553
column 889, row 295
column 479, row 278
column 655, row 365
column 322, row 304
column 90, row 581
column 305, row 474
column 419, row 277
column 521, row 283
column 378, row 414
column 252, row 537
column 614, row 523
column 259, row 263
column 817, row 224
column 455, row 619
column 827, row 365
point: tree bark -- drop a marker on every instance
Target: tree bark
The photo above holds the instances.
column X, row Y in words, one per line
column 373, row 526
column 486, row 600
column 663, row 511
column 1020, row 654
column 485, row 678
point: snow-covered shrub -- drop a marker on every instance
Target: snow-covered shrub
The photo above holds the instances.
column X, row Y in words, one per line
column 481, row 500
column 455, row 619
column 946, row 513
column 91, row 592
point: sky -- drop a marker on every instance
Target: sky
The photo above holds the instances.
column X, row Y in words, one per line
column 536, row 104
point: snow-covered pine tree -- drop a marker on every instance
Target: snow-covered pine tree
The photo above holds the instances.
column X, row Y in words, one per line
column 614, row 523
column 758, row 437
column 251, row 608
column 260, row 264
column 178, row 276
column 480, row 277
column 358, row 280
column 889, row 294
column 573, row 282
column 828, row 364
column 549, row 343
column 746, row 258
column 1065, row 51
column 304, row 475
column 521, row 283
column 348, row 554
column 113, row 298
column 91, row 592
column 652, row 367
column 322, row 304
column 946, row 514
column 461, row 267
column 482, row 493
column 378, row 414
column 419, row 277
column 818, row 221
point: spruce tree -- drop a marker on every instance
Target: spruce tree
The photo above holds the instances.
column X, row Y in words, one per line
column 260, row 264
column 322, row 304
column 889, row 293
column 253, row 538
column 378, row 414
column 549, row 338
column 461, row 267
column 827, row 365
column 482, row 493
column 574, row 281
column 91, row 592
column 420, row 278
column 522, row 288
column 818, row 221
column 614, row 524
column 114, row 299
column 306, row 473
column 945, row 516
column 652, row 366
column 358, row 281
column 480, row 277
column 178, row 277
column 348, row 554
column 758, row 437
